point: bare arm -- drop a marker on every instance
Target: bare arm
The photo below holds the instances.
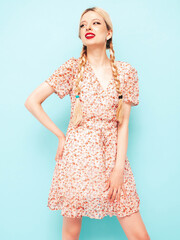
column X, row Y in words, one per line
column 116, row 179
column 33, row 104
column 122, row 144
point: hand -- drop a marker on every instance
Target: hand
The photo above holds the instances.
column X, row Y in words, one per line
column 61, row 143
column 115, row 183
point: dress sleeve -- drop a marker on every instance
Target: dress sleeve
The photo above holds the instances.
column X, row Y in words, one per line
column 61, row 79
column 131, row 83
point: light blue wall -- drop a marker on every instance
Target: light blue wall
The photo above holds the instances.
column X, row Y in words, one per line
column 36, row 38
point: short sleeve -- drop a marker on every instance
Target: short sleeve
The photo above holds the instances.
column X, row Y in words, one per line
column 61, row 79
column 131, row 87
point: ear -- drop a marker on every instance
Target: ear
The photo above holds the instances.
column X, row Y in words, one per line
column 109, row 34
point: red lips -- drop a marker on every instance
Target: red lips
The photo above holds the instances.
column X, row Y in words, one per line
column 89, row 34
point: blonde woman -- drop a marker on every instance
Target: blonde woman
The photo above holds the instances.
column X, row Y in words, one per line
column 92, row 176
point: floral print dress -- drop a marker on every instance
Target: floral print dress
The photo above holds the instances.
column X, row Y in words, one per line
column 89, row 154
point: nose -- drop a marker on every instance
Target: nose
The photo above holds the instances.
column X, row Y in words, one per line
column 88, row 27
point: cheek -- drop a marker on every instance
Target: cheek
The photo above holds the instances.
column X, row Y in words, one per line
column 101, row 32
column 82, row 34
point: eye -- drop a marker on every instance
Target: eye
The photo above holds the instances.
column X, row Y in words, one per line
column 97, row 22
column 93, row 23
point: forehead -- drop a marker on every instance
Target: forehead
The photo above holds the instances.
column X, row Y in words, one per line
column 91, row 15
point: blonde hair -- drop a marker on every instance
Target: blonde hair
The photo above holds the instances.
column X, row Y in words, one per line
column 77, row 115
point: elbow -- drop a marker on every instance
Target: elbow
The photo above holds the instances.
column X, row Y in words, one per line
column 29, row 103
column 26, row 103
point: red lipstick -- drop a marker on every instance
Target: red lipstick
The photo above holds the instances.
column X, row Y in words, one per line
column 89, row 35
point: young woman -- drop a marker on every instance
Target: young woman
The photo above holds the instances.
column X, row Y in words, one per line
column 92, row 176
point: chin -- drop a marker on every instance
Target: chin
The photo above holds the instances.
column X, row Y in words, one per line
column 94, row 44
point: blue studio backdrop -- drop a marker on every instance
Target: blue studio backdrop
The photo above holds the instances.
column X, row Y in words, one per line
column 39, row 36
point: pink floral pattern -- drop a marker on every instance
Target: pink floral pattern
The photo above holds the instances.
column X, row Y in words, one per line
column 89, row 155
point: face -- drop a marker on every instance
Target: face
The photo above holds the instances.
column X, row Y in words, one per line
column 92, row 22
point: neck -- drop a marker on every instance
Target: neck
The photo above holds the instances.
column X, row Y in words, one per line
column 97, row 56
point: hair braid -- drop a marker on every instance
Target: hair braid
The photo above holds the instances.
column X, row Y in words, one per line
column 77, row 115
column 119, row 114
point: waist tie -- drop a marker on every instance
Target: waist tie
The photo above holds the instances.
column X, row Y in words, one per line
column 100, row 126
column 98, row 123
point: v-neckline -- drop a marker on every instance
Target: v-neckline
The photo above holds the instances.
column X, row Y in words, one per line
column 93, row 73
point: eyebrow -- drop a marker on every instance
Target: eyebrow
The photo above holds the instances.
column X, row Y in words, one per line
column 92, row 19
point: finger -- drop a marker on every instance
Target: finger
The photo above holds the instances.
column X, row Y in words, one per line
column 57, row 157
column 60, row 154
column 119, row 194
column 107, row 185
column 110, row 193
column 114, row 194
